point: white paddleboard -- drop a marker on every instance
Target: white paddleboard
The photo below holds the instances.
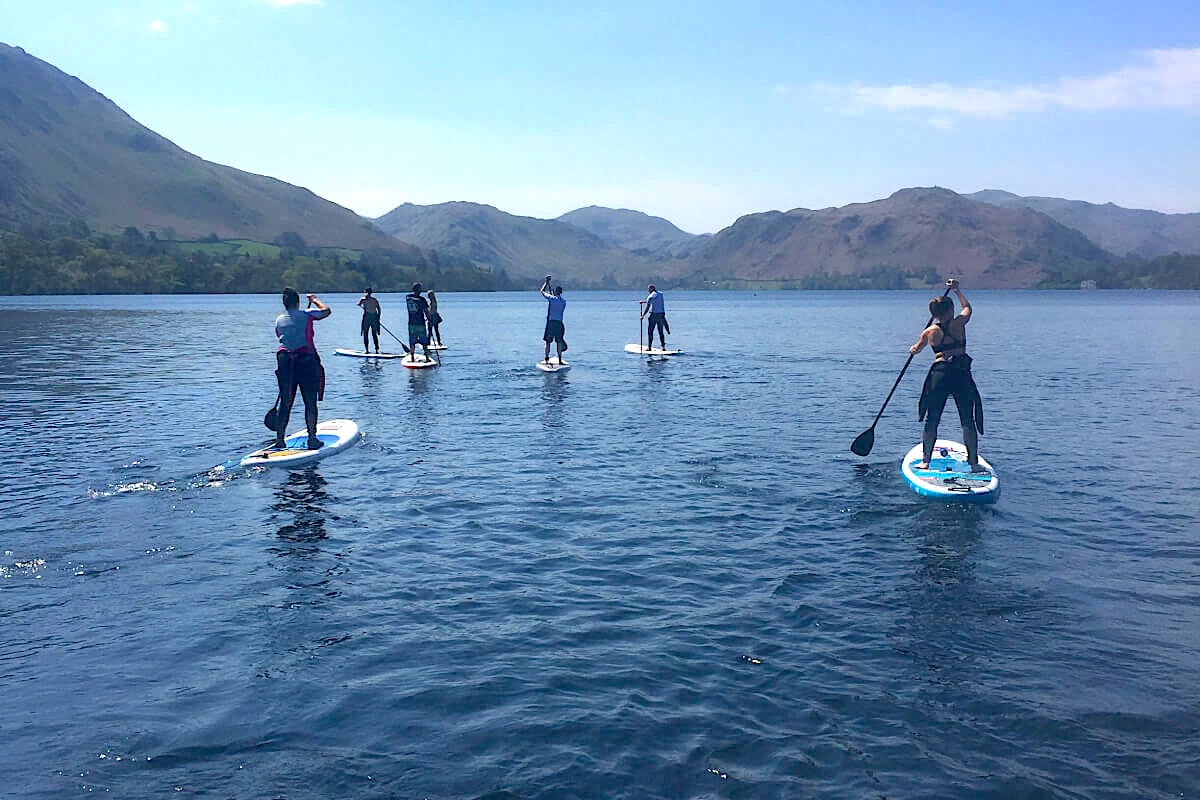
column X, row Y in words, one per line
column 337, row 434
column 650, row 351
column 414, row 361
column 342, row 351
column 553, row 366
column 949, row 476
column 437, row 347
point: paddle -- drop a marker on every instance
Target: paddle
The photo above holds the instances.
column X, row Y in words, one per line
column 862, row 445
column 403, row 346
column 641, row 315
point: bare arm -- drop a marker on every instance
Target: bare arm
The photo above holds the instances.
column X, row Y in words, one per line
column 926, row 338
column 963, row 302
column 546, row 288
column 314, row 302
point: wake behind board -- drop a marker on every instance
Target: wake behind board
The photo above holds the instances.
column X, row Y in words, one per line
column 949, row 476
column 414, row 361
column 553, row 366
column 650, row 351
column 337, row 434
column 342, row 351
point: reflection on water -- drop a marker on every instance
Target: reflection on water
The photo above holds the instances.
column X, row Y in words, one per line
column 302, row 497
column 556, row 387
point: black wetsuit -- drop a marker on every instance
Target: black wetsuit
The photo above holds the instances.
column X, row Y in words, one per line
column 951, row 377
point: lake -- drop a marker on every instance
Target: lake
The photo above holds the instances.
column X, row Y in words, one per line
column 638, row 579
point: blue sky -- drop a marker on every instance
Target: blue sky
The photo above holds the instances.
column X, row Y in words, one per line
column 697, row 112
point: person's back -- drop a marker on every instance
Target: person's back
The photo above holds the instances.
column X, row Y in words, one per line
column 297, row 365
column 418, row 319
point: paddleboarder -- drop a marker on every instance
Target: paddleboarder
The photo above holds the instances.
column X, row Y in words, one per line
column 372, row 314
column 435, row 319
column 297, row 365
column 418, row 321
column 656, row 307
column 949, row 375
column 555, row 330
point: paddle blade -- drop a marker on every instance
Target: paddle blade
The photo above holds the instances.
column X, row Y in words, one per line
column 863, row 444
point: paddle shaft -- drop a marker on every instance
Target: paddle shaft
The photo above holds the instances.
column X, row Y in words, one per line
column 900, row 377
column 640, row 316
column 403, row 346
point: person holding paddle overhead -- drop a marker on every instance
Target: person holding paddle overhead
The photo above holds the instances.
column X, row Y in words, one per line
column 656, row 307
column 949, row 375
column 418, row 321
column 297, row 365
column 372, row 313
column 555, row 330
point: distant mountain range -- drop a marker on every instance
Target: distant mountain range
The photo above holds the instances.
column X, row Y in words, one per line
column 524, row 248
column 68, row 154
column 1122, row 231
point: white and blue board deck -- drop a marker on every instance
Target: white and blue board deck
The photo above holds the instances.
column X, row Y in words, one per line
column 414, row 361
column 437, row 347
column 638, row 349
column 949, row 476
column 553, row 366
column 342, row 351
column 337, row 434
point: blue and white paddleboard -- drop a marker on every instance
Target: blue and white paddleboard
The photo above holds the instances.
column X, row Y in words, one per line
column 342, row 351
column 556, row 365
column 949, row 476
column 337, row 434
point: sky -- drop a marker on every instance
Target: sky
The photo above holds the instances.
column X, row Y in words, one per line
column 697, row 112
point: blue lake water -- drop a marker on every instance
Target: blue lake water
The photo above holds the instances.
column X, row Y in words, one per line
column 664, row 579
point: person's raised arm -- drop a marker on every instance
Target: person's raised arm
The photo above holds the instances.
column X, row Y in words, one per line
column 314, row 302
column 963, row 302
column 546, row 288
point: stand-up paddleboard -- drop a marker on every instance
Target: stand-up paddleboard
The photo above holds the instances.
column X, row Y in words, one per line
column 337, row 434
column 949, row 476
column 553, row 366
column 650, row 351
column 414, row 361
column 437, row 347
column 342, row 351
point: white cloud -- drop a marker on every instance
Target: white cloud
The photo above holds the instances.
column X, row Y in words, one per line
column 157, row 26
column 1162, row 79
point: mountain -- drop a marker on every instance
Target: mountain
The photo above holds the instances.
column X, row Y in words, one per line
column 68, row 153
column 1123, row 231
column 526, row 248
column 635, row 231
column 915, row 232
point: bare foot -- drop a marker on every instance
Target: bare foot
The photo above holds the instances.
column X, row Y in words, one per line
column 978, row 468
column 921, row 465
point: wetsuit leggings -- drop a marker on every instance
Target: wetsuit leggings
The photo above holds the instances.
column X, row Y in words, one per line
column 302, row 371
column 658, row 321
column 945, row 382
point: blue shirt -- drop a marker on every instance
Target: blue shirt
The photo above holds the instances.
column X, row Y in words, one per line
column 555, row 306
column 656, row 303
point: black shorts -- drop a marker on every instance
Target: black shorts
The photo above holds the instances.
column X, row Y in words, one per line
column 554, row 332
column 301, row 371
column 370, row 322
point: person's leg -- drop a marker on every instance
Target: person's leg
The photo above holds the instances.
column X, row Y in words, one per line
column 287, row 393
column 375, row 335
column 964, row 400
column 933, row 415
column 662, row 334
